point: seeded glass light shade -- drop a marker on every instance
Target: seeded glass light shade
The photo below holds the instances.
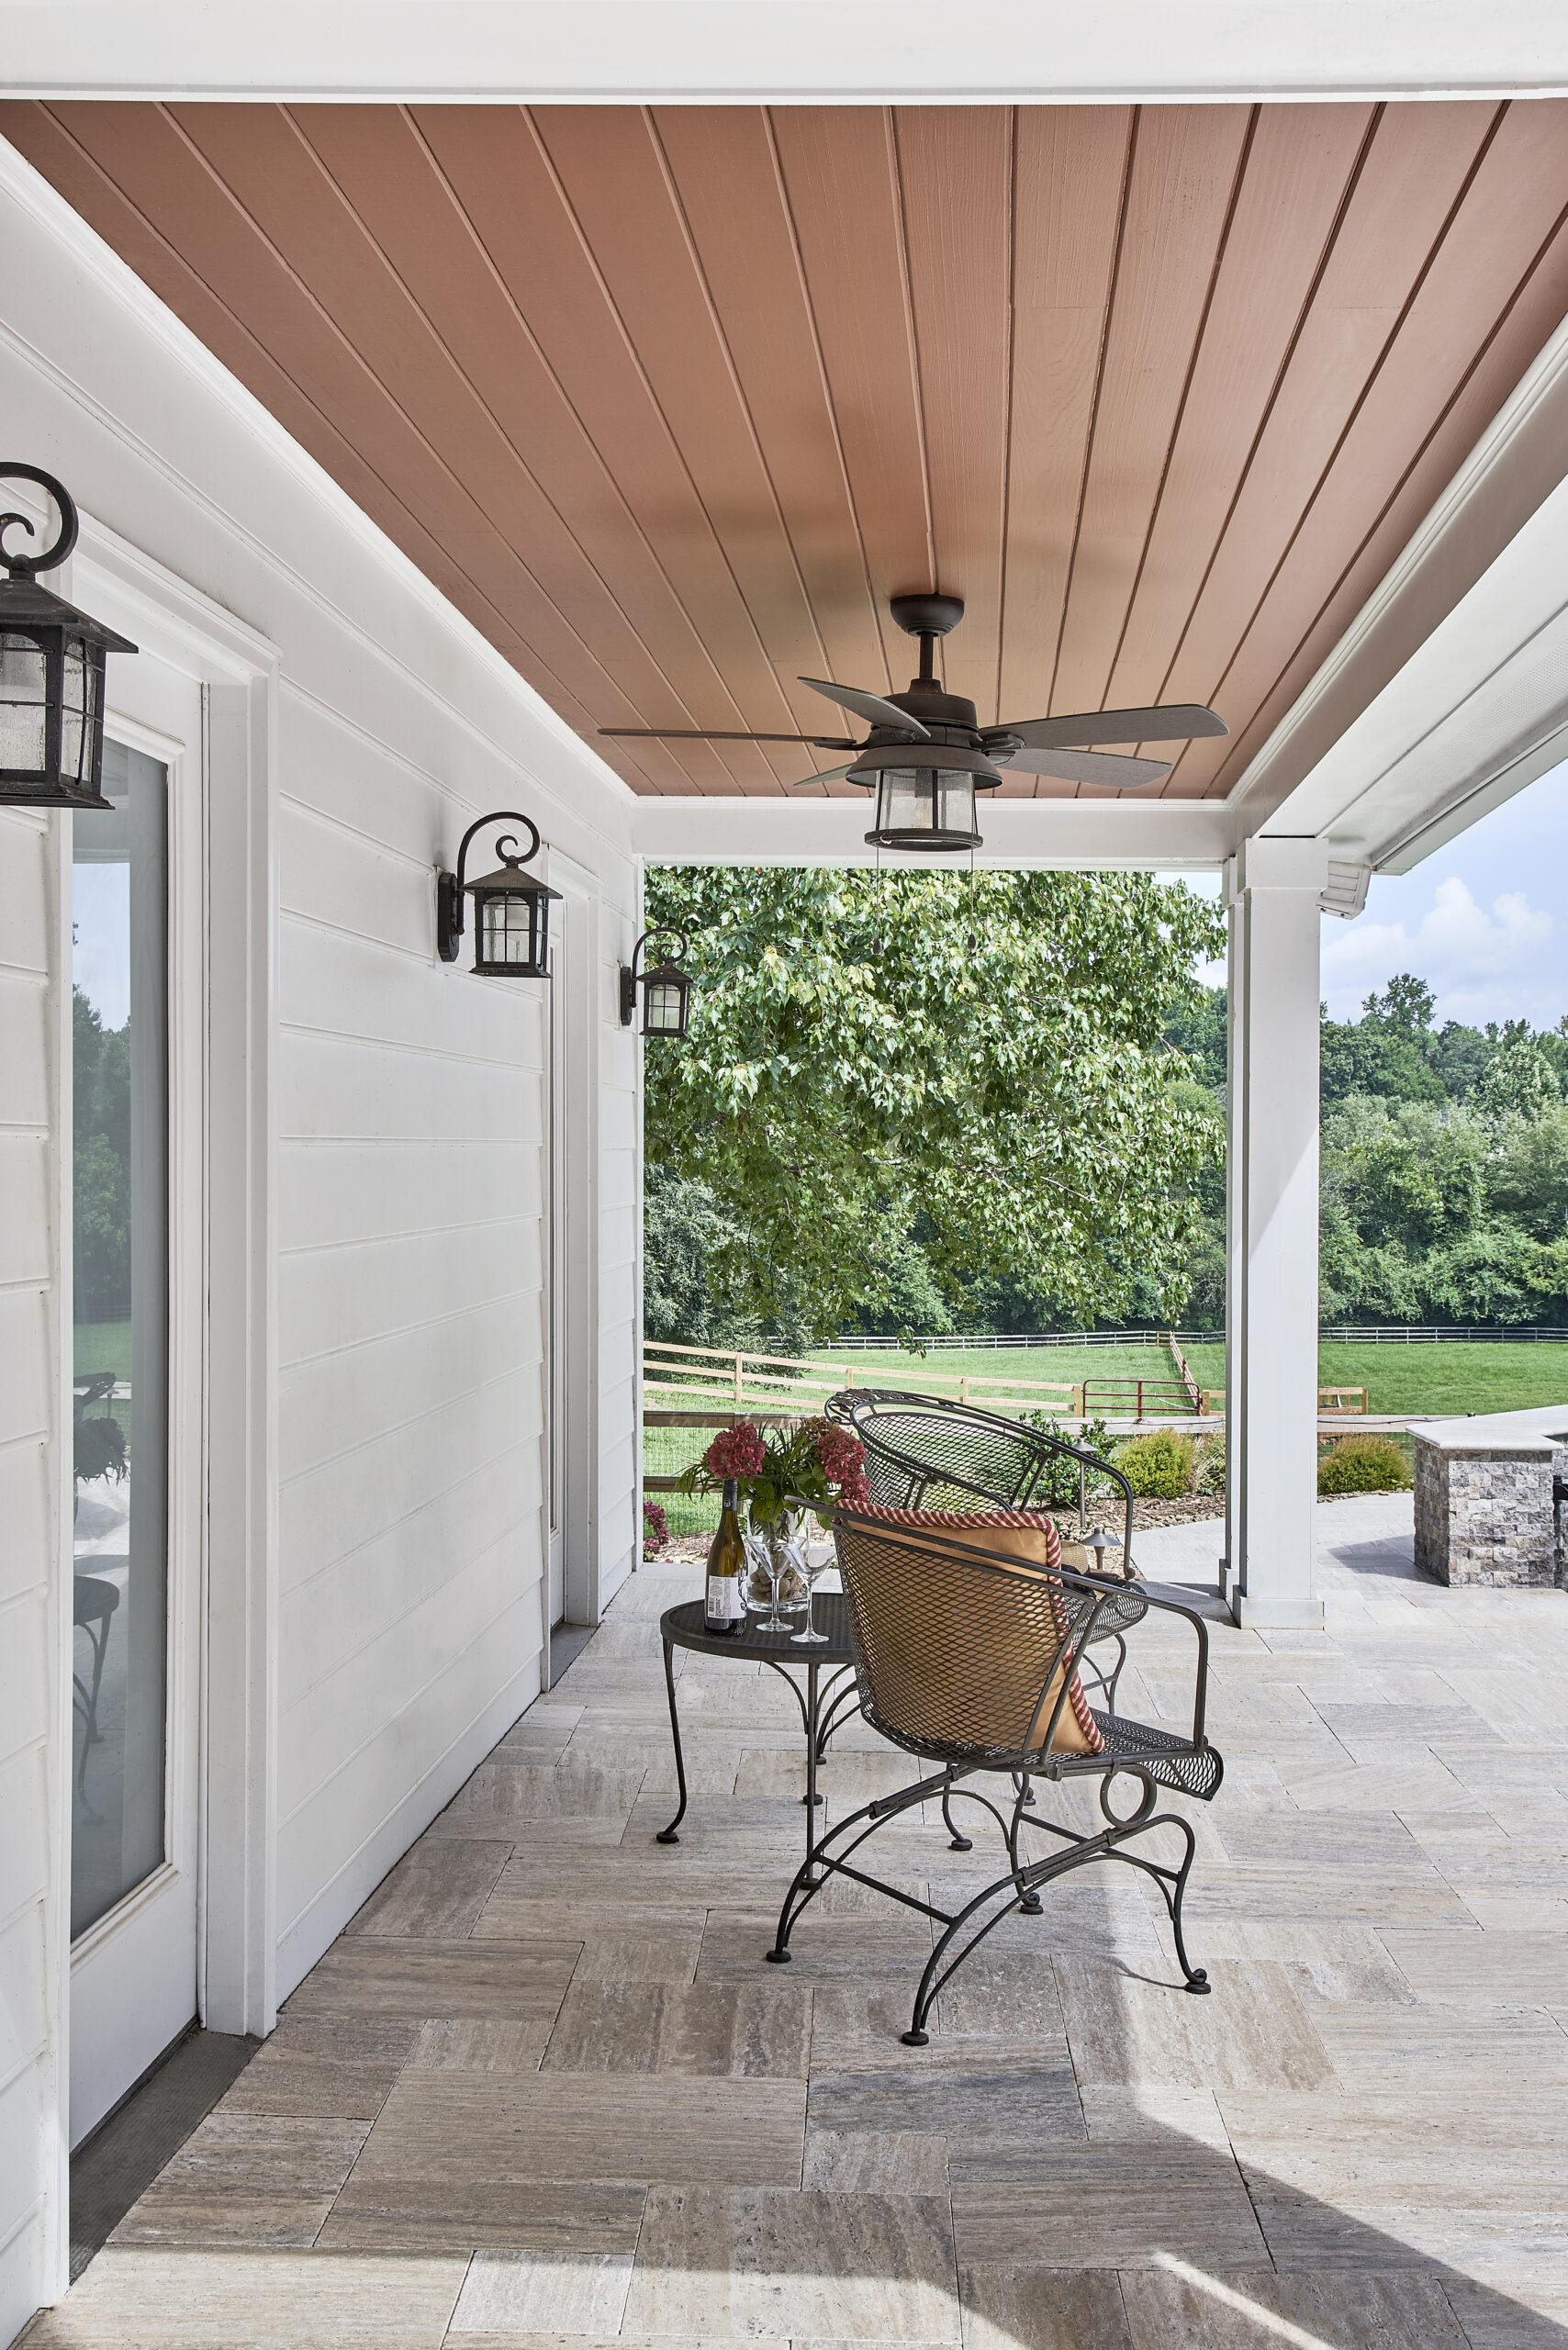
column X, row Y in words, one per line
column 511, row 929
column 666, row 995
column 926, row 807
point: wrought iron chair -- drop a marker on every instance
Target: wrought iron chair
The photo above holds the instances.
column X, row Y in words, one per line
column 965, row 1656
column 922, row 1452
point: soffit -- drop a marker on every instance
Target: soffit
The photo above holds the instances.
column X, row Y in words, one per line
column 668, row 401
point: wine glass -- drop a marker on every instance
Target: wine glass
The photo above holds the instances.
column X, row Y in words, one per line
column 809, row 1568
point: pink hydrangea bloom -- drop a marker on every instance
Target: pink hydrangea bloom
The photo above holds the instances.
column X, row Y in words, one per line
column 736, row 1452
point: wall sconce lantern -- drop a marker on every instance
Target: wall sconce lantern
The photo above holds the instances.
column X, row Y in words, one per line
column 666, row 988
column 511, row 908
column 51, row 671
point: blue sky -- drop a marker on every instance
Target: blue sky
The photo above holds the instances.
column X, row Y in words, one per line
column 1483, row 922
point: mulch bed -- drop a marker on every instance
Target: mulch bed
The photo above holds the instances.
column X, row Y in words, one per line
column 691, row 1550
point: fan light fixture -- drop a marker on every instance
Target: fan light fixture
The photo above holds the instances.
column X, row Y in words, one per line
column 51, row 671
column 667, row 988
column 927, row 754
column 511, row 908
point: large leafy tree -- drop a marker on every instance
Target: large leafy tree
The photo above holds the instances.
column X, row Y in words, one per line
column 982, row 1067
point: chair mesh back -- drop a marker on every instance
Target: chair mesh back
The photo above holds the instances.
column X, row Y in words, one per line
column 917, row 1460
column 957, row 1655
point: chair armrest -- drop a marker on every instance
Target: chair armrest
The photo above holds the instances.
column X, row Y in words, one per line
column 1161, row 1597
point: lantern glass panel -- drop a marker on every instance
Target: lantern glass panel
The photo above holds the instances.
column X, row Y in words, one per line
column 24, row 683
column 664, row 1008
column 927, row 800
column 79, row 710
column 506, row 927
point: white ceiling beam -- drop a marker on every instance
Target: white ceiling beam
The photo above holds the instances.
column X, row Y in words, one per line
column 1449, row 692
column 1152, row 836
column 816, row 51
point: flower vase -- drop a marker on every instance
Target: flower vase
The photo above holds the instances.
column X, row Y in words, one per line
column 774, row 1539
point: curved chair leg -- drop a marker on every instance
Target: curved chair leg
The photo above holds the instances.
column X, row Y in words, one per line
column 820, row 1863
column 1172, row 1884
column 960, row 1844
column 1028, row 1900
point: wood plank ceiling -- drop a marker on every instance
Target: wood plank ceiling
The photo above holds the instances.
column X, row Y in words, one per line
column 670, row 401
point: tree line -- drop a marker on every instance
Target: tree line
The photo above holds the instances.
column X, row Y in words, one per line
column 1444, row 1182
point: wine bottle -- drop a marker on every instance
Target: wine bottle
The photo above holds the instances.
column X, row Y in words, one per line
column 723, row 1606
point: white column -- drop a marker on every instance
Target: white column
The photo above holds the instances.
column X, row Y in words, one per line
column 1273, row 888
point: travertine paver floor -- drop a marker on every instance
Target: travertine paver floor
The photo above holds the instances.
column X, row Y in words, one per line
column 544, row 2091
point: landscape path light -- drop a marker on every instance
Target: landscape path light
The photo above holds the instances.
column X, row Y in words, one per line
column 511, row 908
column 52, row 671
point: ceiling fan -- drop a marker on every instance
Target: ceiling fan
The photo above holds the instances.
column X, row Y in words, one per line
column 927, row 755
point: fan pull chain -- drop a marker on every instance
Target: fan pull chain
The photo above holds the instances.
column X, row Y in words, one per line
column 971, row 939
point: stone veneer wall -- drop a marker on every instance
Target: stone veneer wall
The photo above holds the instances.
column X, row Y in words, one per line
column 1487, row 1516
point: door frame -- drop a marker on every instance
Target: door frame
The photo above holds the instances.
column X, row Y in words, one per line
column 127, row 1943
column 572, row 1132
column 228, row 993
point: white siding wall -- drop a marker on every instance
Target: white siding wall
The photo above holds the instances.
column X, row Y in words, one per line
column 34, row 1709
column 399, row 1191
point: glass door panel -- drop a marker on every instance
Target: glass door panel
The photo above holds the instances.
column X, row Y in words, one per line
column 121, row 1234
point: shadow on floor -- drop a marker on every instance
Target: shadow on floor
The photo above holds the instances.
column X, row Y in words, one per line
column 113, row 2167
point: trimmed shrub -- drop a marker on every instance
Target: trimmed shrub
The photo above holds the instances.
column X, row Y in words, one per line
column 1364, row 1464
column 1161, row 1464
column 1210, row 1477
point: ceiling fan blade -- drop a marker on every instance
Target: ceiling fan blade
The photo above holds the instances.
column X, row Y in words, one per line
column 1085, row 767
column 702, row 735
column 1178, row 721
column 828, row 775
column 870, row 706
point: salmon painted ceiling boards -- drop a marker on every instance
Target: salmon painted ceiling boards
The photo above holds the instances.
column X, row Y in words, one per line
column 670, row 401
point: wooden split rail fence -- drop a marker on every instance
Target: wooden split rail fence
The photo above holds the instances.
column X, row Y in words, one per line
column 677, row 1378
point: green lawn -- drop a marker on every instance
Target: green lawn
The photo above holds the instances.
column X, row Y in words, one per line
column 1447, row 1376
column 102, row 1346
column 1063, row 1367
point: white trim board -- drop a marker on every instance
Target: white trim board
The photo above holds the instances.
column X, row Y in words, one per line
column 1158, row 835
column 809, row 52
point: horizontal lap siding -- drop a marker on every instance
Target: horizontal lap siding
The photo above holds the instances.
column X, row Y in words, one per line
column 29, row 1648
column 412, row 1114
column 401, row 1116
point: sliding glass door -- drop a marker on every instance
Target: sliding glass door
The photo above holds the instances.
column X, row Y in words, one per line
column 138, row 1236
column 120, row 1238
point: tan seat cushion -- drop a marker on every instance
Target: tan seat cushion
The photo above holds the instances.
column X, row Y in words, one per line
column 986, row 1682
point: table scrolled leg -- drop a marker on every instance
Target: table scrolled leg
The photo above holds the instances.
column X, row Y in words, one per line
column 670, row 1835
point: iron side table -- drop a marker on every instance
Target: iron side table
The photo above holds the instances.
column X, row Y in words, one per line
column 822, row 1703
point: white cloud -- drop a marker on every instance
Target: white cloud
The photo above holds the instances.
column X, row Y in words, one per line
column 1498, row 965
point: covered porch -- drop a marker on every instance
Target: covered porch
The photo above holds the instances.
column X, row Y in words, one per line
column 448, row 403
column 543, row 2088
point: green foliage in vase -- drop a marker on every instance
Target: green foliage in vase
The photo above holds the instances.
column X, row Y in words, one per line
column 99, row 1449
column 882, row 1065
column 809, row 1460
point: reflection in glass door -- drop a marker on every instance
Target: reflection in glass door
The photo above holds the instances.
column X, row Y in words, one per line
column 121, row 1360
